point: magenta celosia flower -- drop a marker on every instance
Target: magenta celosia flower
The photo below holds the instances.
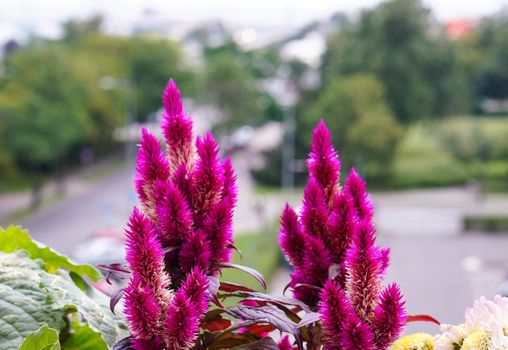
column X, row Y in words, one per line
column 292, row 239
column 364, row 268
column 208, row 178
column 195, row 288
column 331, row 245
column 182, row 322
column 334, row 309
column 174, row 214
column 218, row 227
column 144, row 255
column 389, row 317
column 284, row 343
column 188, row 195
column 177, row 129
column 195, row 252
column 356, row 188
column 315, row 211
column 152, row 165
column 230, row 190
column 323, row 162
column 356, row 335
column 142, row 310
column 341, row 226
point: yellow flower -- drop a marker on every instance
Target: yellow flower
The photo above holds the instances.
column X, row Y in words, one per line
column 417, row 341
column 479, row 339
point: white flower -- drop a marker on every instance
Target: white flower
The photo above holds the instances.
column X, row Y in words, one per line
column 486, row 321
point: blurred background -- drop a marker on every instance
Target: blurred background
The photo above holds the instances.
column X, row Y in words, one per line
column 414, row 92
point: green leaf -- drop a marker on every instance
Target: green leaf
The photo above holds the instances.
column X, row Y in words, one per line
column 30, row 297
column 82, row 337
column 14, row 237
column 44, row 338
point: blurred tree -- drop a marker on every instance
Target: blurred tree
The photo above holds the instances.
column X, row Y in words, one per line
column 151, row 61
column 398, row 42
column 45, row 109
column 77, row 30
column 362, row 125
column 232, row 88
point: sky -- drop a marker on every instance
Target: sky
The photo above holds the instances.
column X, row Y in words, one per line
column 43, row 16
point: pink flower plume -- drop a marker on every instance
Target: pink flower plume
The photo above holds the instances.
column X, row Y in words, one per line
column 182, row 322
column 177, row 129
column 208, row 177
column 389, row 317
column 364, row 264
column 152, row 165
column 144, row 254
column 175, row 216
column 356, row 188
column 341, row 226
column 291, row 239
column 142, row 310
column 315, row 212
column 323, row 162
column 195, row 252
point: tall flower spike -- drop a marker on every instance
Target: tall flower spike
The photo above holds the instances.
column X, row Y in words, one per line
column 195, row 287
column 334, row 309
column 364, row 264
column 152, row 165
column 182, row 322
column 144, row 255
column 230, row 190
column 208, row 177
column 284, row 344
column 175, row 216
column 291, row 239
column 323, row 162
column 389, row 317
column 314, row 211
column 142, row 310
column 356, row 335
column 218, row 227
column 177, row 129
column 195, row 252
column 341, row 226
column 355, row 187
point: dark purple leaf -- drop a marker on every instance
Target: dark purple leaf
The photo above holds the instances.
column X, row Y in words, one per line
column 213, row 288
column 229, row 340
column 270, row 298
column 309, row 318
column 264, row 314
column 115, row 298
column 262, row 344
column 124, row 344
column 232, row 246
column 246, row 269
column 115, row 270
column 233, row 287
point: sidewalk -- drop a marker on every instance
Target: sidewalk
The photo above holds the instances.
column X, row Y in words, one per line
column 15, row 204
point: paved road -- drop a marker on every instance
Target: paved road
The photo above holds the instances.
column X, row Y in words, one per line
column 105, row 205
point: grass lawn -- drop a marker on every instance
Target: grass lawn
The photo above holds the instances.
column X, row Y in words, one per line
column 260, row 251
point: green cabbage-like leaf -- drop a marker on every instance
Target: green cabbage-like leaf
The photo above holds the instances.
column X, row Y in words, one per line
column 31, row 297
column 14, row 237
column 44, row 338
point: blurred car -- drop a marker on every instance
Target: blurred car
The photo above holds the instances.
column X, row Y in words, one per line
column 102, row 247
